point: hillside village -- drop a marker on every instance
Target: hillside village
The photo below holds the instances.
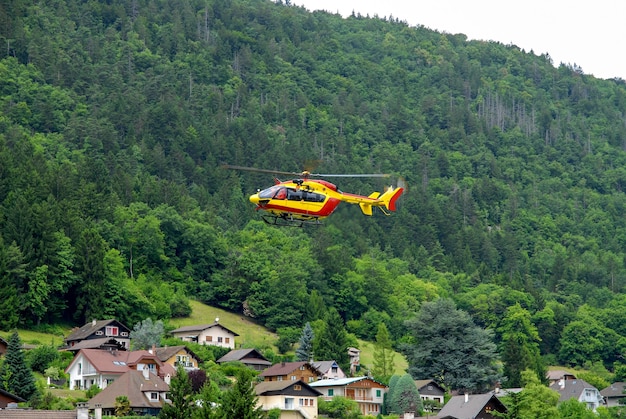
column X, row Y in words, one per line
column 102, row 358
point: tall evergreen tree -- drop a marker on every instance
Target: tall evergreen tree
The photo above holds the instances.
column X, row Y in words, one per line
column 304, row 352
column 332, row 344
column 15, row 376
column 180, row 394
column 241, row 400
column 384, row 365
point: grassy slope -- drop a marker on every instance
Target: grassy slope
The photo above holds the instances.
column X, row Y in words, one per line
column 250, row 333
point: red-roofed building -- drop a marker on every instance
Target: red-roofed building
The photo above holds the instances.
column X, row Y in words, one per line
column 98, row 367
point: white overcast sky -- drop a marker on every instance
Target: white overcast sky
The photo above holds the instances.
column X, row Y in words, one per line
column 590, row 34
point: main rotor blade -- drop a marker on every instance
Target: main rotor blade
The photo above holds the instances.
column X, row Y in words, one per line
column 303, row 174
column 351, row 175
column 253, row 169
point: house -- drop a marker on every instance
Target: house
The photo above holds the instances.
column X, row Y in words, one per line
column 354, row 355
column 207, row 334
column 99, row 334
column 472, row 406
column 3, row 346
column 367, row 392
column 97, row 367
column 430, row 390
column 329, row 369
column 146, row 392
column 555, row 376
column 249, row 357
column 8, row 399
column 614, row 395
column 291, row 371
column 178, row 355
column 580, row 390
column 81, row 412
column 295, row 399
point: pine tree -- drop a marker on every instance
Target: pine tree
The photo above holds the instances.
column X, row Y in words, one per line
column 241, row 401
column 180, row 395
column 15, row 376
column 384, row 365
column 332, row 343
column 305, row 344
column 405, row 397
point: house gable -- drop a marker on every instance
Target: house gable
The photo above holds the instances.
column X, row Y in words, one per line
column 100, row 329
column 291, row 371
column 250, row 357
column 472, row 406
column 207, row 334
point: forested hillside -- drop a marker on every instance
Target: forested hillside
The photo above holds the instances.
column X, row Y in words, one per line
column 116, row 116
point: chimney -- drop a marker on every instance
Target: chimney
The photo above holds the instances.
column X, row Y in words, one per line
column 562, row 383
column 217, row 319
column 146, row 373
column 93, row 322
column 153, row 349
column 466, row 397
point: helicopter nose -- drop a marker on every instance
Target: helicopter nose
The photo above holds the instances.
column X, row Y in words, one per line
column 254, row 198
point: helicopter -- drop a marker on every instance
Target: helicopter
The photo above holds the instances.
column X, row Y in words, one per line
column 308, row 199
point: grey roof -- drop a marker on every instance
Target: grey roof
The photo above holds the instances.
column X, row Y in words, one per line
column 247, row 356
column 571, row 388
column 423, row 383
column 457, row 407
column 324, row 366
column 200, row 328
column 90, row 328
column 96, row 344
column 277, row 387
column 614, row 390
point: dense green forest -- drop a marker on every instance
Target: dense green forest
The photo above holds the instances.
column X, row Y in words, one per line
column 116, row 117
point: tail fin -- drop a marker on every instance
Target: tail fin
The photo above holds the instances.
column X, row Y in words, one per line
column 387, row 200
column 390, row 197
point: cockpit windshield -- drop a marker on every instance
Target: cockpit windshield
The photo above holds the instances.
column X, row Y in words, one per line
column 275, row 192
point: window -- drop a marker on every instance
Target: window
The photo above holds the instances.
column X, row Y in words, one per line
column 154, row 396
column 378, row 393
column 294, row 378
column 124, row 334
column 80, row 368
column 209, row 338
column 331, row 392
column 288, row 403
column 99, row 333
column 226, row 340
column 279, row 378
column 334, row 370
column 297, row 387
column 219, row 339
column 112, row 330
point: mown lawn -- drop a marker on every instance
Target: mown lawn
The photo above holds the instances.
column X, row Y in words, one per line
column 250, row 333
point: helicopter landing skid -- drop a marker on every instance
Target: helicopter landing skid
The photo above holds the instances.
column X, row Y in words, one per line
column 290, row 221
